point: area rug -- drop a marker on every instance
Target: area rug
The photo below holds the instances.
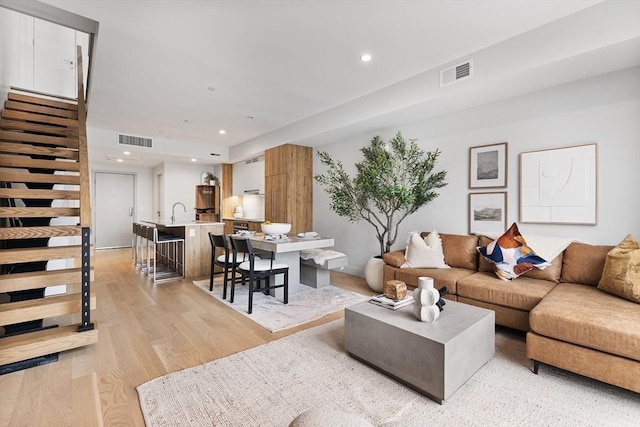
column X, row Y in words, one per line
column 271, row 384
column 304, row 306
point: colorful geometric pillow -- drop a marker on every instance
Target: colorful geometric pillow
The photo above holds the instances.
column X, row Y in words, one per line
column 510, row 255
column 621, row 275
column 424, row 253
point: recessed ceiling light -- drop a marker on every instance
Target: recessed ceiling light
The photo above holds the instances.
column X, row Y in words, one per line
column 187, row 121
column 194, row 160
column 211, row 88
column 126, row 153
column 120, row 160
column 222, row 131
column 365, row 57
column 249, row 117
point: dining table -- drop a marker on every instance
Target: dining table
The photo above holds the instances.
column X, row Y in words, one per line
column 287, row 251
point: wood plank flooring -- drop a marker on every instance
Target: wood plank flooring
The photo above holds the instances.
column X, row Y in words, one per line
column 146, row 331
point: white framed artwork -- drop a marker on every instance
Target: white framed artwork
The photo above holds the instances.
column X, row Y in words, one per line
column 487, row 213
column 488, row 166
column 559, row 186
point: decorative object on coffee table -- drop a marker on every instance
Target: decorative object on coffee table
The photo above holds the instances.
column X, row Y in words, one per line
column 426, row 298
column 395, row 289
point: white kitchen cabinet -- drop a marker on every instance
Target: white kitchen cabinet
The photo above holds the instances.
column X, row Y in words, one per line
column 248, row 176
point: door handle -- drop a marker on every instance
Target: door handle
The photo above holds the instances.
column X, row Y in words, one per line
column 131, row 211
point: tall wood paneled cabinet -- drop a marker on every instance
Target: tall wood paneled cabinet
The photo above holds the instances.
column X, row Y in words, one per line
column 288, row 195
column 207, row 203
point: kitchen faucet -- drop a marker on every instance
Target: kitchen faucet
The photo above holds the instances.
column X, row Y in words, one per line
column 173, row 213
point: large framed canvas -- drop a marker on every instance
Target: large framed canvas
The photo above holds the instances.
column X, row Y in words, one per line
column 488, row 166
column 559, row 186
column 487, row 213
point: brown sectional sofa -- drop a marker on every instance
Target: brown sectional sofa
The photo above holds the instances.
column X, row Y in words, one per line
column 569, row 322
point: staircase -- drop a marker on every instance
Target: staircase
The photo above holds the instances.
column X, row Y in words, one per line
column 45, row 219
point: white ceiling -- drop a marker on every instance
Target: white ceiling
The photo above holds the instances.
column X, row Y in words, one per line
column 291, row 65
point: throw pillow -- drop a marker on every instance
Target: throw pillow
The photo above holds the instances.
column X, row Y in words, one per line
column 621, row 275
column 510, row 255
column 424, row 253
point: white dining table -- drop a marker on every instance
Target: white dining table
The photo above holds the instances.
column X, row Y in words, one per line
column 287, row 251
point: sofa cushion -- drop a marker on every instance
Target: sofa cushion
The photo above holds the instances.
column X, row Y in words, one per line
column 511, row 255
column 621, row 275
column 459, row 250
column 424, row 252
column 552, row 272
column 441, row 277
column 522, row 294
column 394, row 258
column 586, row 316
column 583, row 263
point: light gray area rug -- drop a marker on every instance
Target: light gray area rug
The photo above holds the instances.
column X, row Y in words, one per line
column 304, row 306
column 271, row 384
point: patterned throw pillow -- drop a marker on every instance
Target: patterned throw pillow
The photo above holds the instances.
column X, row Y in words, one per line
column 510, row 255
column 621, row 275
column 424, row 253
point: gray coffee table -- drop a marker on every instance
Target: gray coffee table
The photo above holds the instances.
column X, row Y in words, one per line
column 434, row 359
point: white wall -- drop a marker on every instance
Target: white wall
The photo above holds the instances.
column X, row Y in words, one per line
column 180, row 182
column 603, row 109
column 9, row 50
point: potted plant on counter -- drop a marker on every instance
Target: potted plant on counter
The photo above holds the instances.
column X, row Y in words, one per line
column 394, row 180
column 209, row 179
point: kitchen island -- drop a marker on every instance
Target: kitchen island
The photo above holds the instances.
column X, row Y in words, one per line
column 197, row 261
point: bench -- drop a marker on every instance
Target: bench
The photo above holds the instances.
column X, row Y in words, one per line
column 318, row 275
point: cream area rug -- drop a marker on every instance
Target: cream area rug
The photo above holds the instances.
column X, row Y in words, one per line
column 271, row 384
column 271, row 313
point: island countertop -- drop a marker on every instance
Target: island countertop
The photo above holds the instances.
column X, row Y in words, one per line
column 182, row 223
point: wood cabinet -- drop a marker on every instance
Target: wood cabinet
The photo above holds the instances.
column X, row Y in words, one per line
column 207, row 203
column 289, row 186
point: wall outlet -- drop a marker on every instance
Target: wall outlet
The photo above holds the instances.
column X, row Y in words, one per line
column 192, row 232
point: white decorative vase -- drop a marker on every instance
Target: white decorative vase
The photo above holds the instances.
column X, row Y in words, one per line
column 373, row 273
column 426, row 298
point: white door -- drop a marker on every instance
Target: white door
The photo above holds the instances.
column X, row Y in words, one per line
column 114, row 205
column 54, row 59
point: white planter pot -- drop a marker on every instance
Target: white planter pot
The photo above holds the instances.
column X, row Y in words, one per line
column 373, row 273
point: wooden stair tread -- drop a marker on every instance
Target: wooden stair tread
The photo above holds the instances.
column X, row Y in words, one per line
column 42, row 308
column 40, row 109
column 20, row 255
column 38, row 118
column 28, row 149
column 40, row 279
column 12, row 96
column 40, row 343
column 47, row 178
column 19, row 136
column 40, row 93
column 25, row 162
column 38, row 128
column 10, row 233
column 23, row 212
column 26, row 193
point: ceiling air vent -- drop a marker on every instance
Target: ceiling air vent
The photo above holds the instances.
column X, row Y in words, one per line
column 456, row 73
column 136, row 141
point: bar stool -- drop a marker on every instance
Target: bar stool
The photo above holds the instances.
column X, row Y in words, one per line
column 165, row 249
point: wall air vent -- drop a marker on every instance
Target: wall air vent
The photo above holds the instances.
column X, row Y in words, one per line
column 456, row 73
column 136, row 141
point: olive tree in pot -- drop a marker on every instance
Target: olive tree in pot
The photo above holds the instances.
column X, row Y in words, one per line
column 394, row 180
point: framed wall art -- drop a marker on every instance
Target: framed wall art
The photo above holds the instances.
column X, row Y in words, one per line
column 559, row 186
column 487, row 213
column 488, row 166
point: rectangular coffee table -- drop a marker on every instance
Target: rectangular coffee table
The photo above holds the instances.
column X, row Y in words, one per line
column 435, row 358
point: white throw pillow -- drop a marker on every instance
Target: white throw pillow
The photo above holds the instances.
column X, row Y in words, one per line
column 424, row 253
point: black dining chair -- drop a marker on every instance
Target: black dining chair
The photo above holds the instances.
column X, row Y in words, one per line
column 257, row 271
column 224, row 261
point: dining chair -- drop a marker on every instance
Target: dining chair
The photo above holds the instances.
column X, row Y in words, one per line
column 225, row 261
column 257, row 271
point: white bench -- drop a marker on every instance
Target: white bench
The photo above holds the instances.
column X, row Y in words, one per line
column 318, row 275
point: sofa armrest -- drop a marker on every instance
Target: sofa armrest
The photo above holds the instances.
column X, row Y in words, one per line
column 395, row 258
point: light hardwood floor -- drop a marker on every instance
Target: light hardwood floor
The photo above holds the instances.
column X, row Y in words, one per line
column 146, row 331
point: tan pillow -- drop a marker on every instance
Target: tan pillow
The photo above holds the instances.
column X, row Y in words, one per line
column 621, row 275
column 424, row 253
